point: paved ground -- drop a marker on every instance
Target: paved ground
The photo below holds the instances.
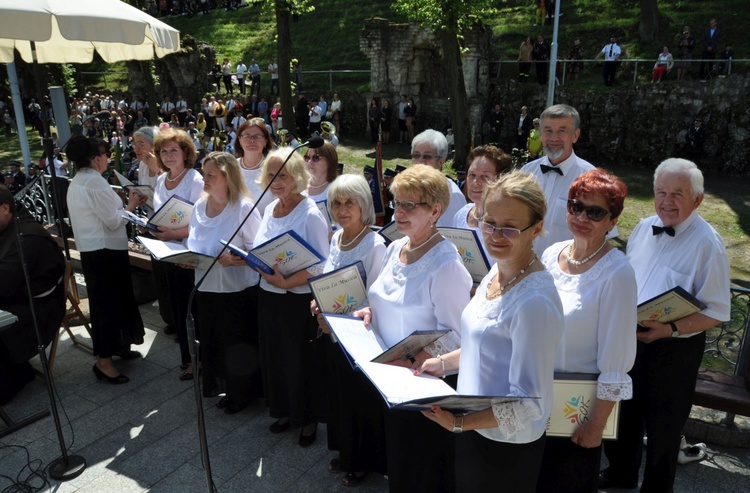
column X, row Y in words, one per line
column 142, row 436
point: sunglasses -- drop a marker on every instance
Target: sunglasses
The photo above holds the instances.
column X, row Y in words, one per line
column 314, row 158
column 593, row 212
column 510, row 233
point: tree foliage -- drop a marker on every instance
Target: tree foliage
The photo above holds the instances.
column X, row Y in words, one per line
column 450, row 19
column 648, row 29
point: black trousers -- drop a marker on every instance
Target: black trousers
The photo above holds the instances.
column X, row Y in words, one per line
column 664, row 377
column 610, row 70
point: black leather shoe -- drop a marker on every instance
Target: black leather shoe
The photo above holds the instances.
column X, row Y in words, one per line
column 234, row 408
column 169, row 330
column 606, row 482
column 186, row 376
column 223, row 402
column 113, row 380
column 278, row 427
column 307, row 440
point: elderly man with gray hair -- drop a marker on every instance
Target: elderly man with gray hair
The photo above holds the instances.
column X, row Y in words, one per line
column 676, row 247
column 560, row 127
column 431, row 148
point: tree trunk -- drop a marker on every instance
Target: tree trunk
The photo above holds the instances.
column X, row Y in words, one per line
column 649, row 25
column 284, row 55
column 457, row 92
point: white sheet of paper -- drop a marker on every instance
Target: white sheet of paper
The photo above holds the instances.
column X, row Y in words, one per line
column 362, row 345
column 399, row 384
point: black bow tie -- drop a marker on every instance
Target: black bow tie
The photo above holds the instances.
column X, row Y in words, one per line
column 546, row 169
column 666, row 229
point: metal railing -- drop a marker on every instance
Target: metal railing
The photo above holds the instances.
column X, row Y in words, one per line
column 729, row 341
column 633, row 67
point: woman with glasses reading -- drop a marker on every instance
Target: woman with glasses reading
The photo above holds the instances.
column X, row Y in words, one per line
column 254, row 144
column 509, row 333
column 423, row 286
column 598, row 290
column 99, row 229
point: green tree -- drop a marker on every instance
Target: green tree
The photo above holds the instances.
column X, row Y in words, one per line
column 285, row 10
column 450, row 19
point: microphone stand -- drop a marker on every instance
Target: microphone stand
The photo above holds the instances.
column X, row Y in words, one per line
column 68, row 466
column 314, row 143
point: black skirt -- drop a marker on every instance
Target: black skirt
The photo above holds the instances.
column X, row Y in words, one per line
column 173, row 287
column 487, row 465
column 292, row 358
column 115, row 319
column 356, row 426
column 569, row 468
column 229, row 344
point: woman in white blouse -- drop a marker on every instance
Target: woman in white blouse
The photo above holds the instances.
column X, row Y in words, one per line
column 176, row 155
column 254, row 143
column 355, row 420
column 487, row 163
column 99, row 229
column 322, row 164
column 290, row 353
column 227, row 300
column 598, row 290
column 148, row 166
column 509, row 334
column 423, row 286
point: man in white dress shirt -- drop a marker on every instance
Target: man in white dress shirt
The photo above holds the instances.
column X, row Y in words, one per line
column 556, row 171
column 431, row 148
column 676, row 247
column 611, row 53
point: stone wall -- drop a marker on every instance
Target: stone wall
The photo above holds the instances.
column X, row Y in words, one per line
column 646, row 124
column 407, row 59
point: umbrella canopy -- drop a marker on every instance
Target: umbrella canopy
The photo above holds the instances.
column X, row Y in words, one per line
column 69, row 31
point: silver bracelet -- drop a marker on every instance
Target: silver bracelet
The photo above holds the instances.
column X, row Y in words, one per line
column 442, row 362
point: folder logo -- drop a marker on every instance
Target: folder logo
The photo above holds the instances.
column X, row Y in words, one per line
column 466, row 255
column 576, row 409
column 284, row 257
column 344, row 304
column 661, row 313
column 177, row 218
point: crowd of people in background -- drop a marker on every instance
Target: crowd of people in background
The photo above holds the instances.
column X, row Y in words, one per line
column 714, row 52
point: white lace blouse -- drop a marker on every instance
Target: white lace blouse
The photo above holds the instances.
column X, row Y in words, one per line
column 205, row 233
column 429, row 294
column 508, row 348
column 307, row 221
column 460, row 221
column 600, row 320
column 252, row 180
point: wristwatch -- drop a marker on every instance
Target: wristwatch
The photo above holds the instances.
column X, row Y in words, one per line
column 675, row 332
column 458, row 428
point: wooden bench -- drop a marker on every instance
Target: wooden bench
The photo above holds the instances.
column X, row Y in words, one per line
column 722, row 391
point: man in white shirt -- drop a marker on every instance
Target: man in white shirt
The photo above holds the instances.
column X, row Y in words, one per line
column 611, row 54
column 431, row 148
column 273, row 71
column 241, row 71
column 182, row 108
column 316, row 114
column 255, row 75
column 676, row 247
column 556, row 171
column 166, row 109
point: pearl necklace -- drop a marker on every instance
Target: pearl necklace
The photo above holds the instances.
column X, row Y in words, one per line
column 318, row 186
column 347, row 245
column 410, row 250
column 253, row 168
column 578, row 263
column 502, row 288
column 176, row 177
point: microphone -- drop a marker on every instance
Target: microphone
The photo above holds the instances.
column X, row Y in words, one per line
column 315, row 142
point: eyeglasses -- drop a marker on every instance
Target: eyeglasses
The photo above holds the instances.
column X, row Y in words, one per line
column 417, row 156
column 593, row 212
column 407, row 206
column 314, row 158
column 253, row 138
column 510, row 233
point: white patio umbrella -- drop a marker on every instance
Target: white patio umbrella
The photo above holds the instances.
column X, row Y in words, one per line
column 70, row 31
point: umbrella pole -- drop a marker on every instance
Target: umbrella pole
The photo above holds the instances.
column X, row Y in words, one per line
column 66, row 467
column 48, row 152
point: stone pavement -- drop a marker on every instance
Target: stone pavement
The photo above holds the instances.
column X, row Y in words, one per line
column 142, row 436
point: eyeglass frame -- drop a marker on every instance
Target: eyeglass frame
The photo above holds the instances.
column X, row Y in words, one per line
column 514, row 232
column 407, row 206
column 588, row 209
column 252, row 138
column 316, row 158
